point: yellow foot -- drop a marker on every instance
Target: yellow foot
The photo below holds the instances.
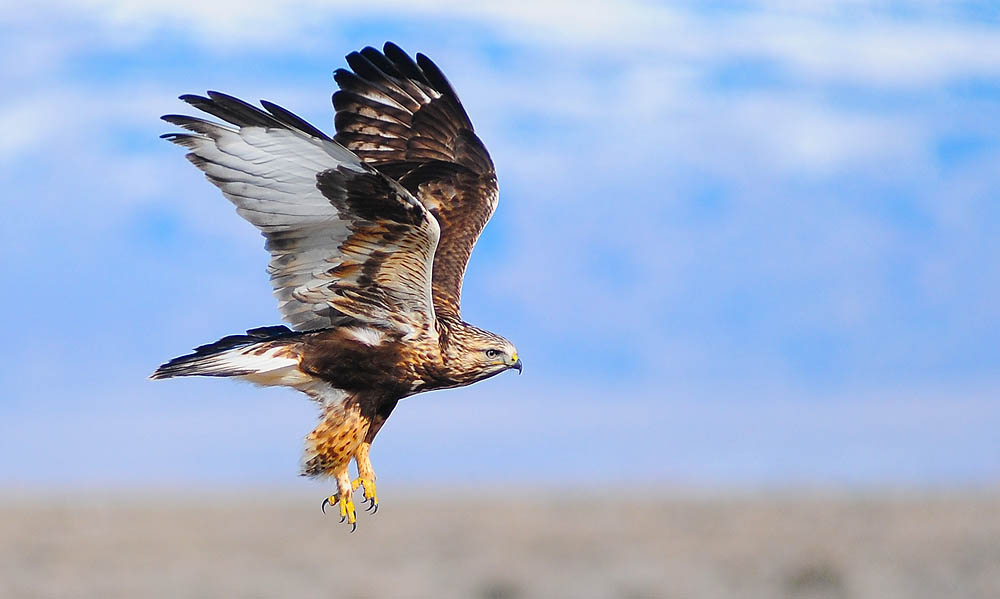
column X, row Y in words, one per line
column 370, row 495
column 346, row 509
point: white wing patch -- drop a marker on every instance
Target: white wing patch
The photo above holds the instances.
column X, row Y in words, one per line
column 270, row 170
column 269, row 174
column 345, row 241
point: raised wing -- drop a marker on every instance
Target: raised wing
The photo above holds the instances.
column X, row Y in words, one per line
column 404, row 118
column 344, row 239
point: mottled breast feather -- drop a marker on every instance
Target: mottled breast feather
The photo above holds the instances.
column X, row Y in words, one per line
column 403, row 117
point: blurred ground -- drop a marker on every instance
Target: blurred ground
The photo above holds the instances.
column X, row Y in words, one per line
column 680, row 545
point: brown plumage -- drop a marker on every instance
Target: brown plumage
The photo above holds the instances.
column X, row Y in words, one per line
column 369, row 233
column 404, row 118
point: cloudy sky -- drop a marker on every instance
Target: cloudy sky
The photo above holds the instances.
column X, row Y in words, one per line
column 738, row 244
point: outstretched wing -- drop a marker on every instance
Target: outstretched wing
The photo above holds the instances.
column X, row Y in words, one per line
column 404, row 118
column 344, row 239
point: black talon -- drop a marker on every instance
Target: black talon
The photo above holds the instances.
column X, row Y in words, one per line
column 325, row 501
column 342, row 518
column 375, row 511
column 355, row 527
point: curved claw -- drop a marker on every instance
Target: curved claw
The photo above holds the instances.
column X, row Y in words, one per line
column 346, row 509
column 371, row 497
column 375, row 511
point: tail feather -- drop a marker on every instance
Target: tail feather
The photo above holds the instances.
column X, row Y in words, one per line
column 264, row 355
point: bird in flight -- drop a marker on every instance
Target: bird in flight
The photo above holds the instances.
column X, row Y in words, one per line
column 369, row 233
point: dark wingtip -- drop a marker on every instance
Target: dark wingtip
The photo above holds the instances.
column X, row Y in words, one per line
column 220, row 97
column 362, row 66
column 192, row 98
column 163, row 371
column 435, row 76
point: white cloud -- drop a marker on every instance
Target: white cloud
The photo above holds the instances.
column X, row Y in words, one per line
column 26, row 127
column 867, row 46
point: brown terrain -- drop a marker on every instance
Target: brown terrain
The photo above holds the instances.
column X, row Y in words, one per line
column 788, row 545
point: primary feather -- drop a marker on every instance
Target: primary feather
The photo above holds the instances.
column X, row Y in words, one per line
column 328, row 218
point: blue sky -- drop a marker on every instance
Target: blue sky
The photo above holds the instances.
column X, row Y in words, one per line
column 738, row 244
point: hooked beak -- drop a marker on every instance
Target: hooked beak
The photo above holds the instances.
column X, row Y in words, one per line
column 517, row 365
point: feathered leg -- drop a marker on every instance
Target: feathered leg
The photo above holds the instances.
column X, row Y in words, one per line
column 366, row 474
column 329, row 449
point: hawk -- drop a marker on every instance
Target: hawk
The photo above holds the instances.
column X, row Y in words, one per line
column 369, row 233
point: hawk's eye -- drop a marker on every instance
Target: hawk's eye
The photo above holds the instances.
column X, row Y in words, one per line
column 492, row 353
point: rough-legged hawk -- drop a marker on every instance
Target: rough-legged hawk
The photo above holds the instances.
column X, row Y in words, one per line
column 369, row 234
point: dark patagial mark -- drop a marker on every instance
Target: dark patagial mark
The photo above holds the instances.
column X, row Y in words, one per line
column 369, row 196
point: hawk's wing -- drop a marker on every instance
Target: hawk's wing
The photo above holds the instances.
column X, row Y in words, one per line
column 404, row 118
column 344, row 239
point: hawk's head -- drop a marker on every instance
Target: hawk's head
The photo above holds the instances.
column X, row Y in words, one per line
column 474, row 354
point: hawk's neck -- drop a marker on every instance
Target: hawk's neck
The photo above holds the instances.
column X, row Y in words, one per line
column 455, row 339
